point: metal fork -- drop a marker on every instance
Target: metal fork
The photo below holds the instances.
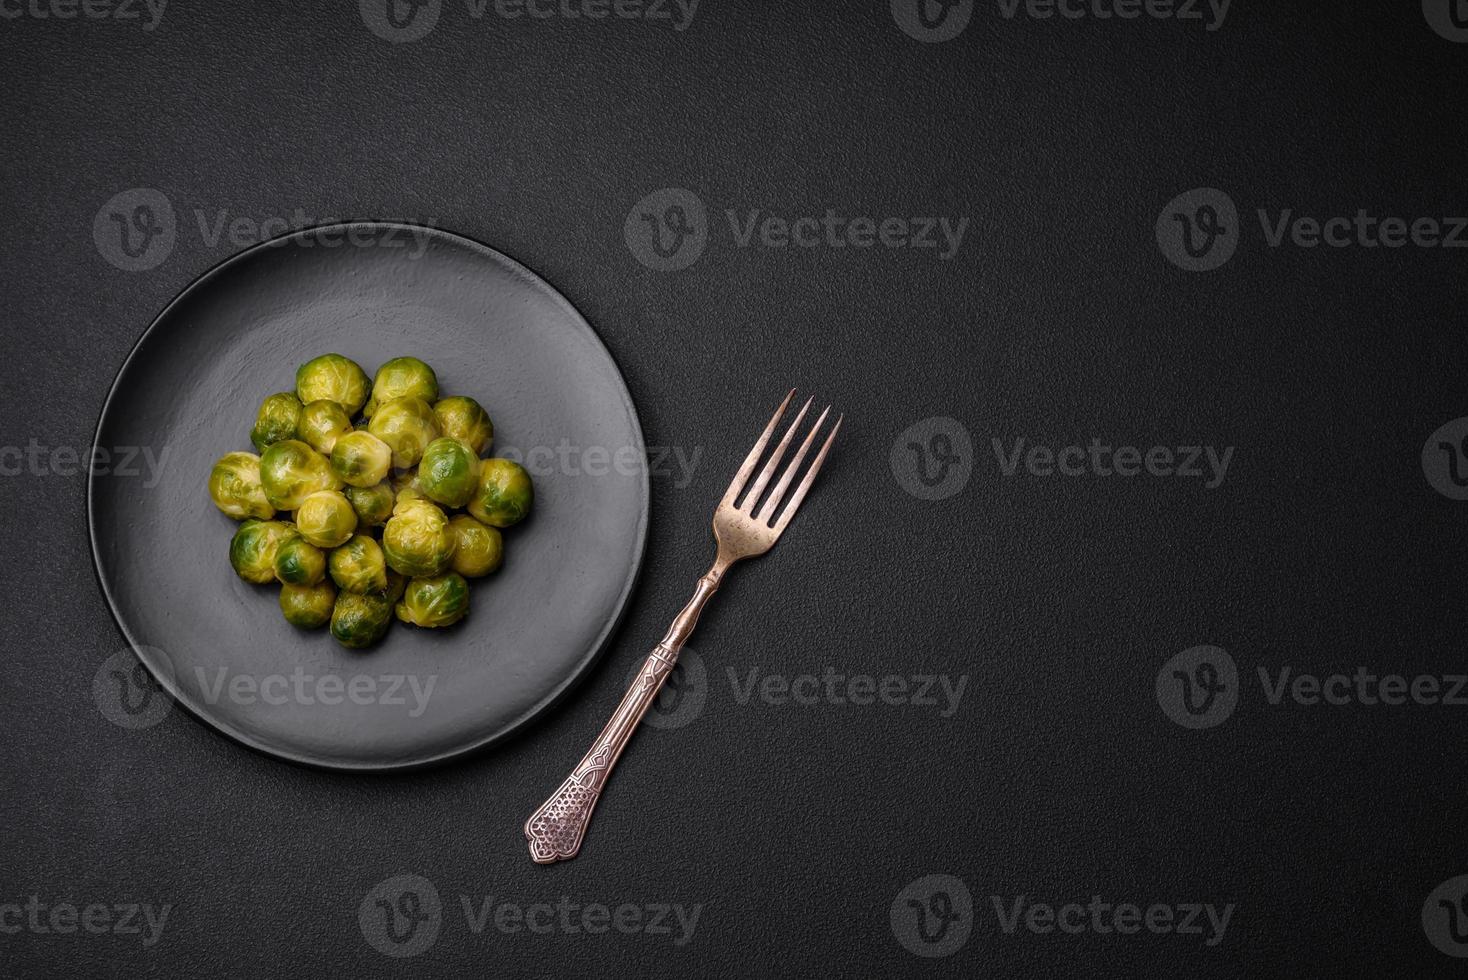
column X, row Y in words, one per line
column 555, row 831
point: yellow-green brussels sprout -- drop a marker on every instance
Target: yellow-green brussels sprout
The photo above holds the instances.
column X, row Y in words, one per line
column 373, row 504
column 433, row 602
column 396, row 585
column 478, row 548
column 308, row 607
column 359, row 620
column 253, row 547
column 361, row 459
column 299, row 562
column 322, row 423
column 234, row 486
column 358, row 566
column 326, row 518
column 402, row 377
column 291, row 471
column 417, row 540
column 409, row 494
column 405, row 486
column 334, row 378
column 276, row 420
column 464, row 419
column 449, row 472
column 504, row 493
column 407, row 426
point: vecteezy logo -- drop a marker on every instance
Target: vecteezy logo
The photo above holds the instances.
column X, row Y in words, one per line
column 1199, row 688
column 1445, row 459
column 1199, row 230
column 667, row 230
column 400, row 21
column 135, row 230
column 932, row 21
column 933, row 916
column 932, row 460
column 126, row 694
column 1445, row 917
column 1449, row 18
column 684, row 693
column 401, row 916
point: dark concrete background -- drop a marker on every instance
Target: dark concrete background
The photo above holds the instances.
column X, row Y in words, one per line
column 796, row 828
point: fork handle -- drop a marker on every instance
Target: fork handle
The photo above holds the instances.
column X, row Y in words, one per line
column 555, row 831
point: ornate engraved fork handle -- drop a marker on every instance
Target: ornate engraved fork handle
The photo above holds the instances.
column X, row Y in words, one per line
column 555, row 831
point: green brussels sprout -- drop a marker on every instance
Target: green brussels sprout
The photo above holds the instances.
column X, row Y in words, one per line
column 434, row 602
column 504, row 493
column 396, row 585
column 299, row 562
column 409, row 494
column 308, row 607
column 405, row 488
column 478, row 548
column 291, row 471
column 359, row 620
column 373, row 504
column 358, row 566
column 407, row 426
column 253, row 547
column 322, row 423
column 464, row 419
column 449, row 472
column 326, row 518
column 335, row 378
column 234, row 486
column 361, row 459
column 417, row 540
column 276, row 421
column 402, row 377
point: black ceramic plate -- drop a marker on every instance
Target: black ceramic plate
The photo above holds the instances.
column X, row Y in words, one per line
column 492, row 330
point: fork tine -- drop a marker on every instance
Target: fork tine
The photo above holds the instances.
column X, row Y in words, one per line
column 747, row 467
column 769, row 469
column 810, row 476
column 773, row 500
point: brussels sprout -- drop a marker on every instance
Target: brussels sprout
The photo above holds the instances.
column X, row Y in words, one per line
column 504, row 493
column 449, row 472
column 291, row 471
column 434, row 602
column 358, row 566
column 308, row 607
column 361, row 459
column 253, row 547
column 326, row 519
column 360, row 620
column 276, row 420
column 402, row 377
column 396, row 585
column 234, row 486
column 408, row 494
column 464, row 419
column 322, row 423
column 417, row 540
column 373, row 504
column 478, row 548
column 334, row 378
column 299, row 562
column 407, row 426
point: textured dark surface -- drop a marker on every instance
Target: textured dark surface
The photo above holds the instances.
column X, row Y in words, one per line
column 795, row 828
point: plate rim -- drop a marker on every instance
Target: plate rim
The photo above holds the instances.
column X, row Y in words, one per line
column 594, row 653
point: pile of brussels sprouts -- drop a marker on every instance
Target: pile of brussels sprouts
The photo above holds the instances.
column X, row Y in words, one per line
column 356, row 519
